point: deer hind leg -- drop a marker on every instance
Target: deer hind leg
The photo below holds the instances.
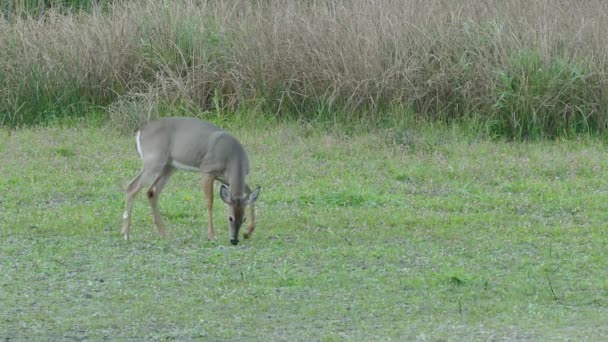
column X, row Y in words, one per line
column 251, row 226
column 132, row 189
column 207, row 184
column 153, row 194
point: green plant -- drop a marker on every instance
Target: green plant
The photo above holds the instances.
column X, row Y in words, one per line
column 539, row 98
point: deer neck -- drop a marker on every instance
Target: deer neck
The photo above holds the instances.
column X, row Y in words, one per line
column 235, row 173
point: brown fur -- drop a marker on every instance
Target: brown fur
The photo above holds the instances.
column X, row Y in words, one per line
column 171, row 143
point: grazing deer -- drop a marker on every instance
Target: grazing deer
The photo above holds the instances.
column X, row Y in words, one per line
column 193, row 145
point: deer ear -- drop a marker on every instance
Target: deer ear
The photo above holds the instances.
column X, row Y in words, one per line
column 225, row 195
column 253, row 196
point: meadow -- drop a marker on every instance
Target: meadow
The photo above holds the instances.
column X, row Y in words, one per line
column 413, row 235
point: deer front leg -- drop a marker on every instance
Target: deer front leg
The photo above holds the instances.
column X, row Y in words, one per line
column 207, row 183
column 251, row 226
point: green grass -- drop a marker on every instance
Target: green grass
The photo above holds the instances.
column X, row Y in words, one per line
column 371, row 236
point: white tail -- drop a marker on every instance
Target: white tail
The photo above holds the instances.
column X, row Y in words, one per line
column 193, row 145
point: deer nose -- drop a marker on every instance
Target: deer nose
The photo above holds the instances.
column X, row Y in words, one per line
column 234, row 242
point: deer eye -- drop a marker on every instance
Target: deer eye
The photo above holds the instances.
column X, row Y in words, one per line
column 231, row 219
column 244, row 219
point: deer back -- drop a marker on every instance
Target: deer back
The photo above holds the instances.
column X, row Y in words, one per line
column 192, row 144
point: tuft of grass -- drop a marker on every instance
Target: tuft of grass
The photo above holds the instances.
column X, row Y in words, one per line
column 540, row 99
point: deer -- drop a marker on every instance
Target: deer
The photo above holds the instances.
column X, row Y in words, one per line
column 168, row 144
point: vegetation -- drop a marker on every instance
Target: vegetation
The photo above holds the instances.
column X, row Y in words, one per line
column 389, row 210
column 517, row 69
column 378, row 236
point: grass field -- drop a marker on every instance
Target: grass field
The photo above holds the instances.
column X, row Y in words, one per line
column 388, row 235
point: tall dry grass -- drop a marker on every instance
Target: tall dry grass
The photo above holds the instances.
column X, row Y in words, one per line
column 520, row 68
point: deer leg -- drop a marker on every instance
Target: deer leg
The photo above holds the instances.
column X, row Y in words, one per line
column 251, row 226
column 207, row 183
column 132, row 189
column 153, row 196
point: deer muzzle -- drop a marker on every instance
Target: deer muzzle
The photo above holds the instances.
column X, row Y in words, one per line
column 234, row 233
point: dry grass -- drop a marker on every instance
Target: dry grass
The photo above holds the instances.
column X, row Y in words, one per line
column 521, row 68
